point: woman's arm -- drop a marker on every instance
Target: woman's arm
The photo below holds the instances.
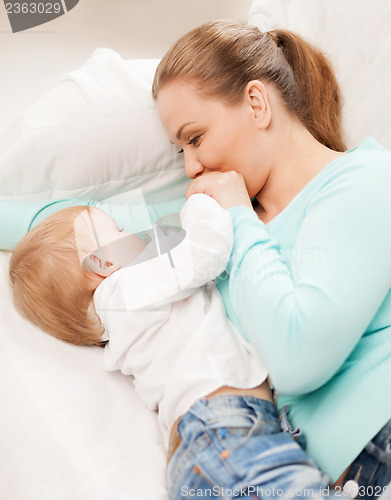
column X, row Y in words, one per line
column 17, row 217
column 305, row 316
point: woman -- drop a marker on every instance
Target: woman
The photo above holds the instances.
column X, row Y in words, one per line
column 257, row 116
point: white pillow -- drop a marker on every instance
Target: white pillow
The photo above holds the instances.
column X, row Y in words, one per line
column 356, row 36
column 94, row 135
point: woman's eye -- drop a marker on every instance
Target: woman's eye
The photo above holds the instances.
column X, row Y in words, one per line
column 194, row 141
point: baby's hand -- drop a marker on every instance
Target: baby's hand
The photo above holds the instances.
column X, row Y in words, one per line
column 227, row 188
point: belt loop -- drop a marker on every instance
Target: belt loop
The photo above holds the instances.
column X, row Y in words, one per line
column 201, row 411
column 286, row 426
column 284, row 421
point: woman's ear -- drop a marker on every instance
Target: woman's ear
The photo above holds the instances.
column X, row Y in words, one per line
column 257, row 97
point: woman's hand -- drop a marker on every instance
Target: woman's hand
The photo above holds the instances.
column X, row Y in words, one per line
column 227, row 188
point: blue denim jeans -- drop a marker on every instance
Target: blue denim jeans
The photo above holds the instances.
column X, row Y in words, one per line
column 232, row 447
column 372, row 468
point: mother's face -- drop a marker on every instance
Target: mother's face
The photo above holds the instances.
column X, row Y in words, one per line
column 213, row 135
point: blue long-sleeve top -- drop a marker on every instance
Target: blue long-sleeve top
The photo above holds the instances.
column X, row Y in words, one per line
column 17, row 217
column 310, row 290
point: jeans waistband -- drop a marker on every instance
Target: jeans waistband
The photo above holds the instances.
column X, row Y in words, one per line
column 227, row 409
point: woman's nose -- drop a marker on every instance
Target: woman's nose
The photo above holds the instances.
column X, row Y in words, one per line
column 193, row 167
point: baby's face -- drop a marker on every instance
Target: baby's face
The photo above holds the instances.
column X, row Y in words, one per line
column 95, row 229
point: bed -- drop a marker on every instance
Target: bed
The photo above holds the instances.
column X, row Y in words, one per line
column 69, row 430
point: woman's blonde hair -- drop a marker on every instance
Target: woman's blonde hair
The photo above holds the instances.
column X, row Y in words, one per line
column 49, row 286
column 221, row 57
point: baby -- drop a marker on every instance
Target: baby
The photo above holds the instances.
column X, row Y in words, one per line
column 148, row 299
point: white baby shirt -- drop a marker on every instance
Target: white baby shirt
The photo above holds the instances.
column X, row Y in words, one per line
column 166, row 321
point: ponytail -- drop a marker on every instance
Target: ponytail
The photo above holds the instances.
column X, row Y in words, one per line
column 223, row 56
column 317, row 91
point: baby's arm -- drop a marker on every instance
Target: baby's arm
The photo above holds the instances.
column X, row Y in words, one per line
column 209, row 236
column 199, row 258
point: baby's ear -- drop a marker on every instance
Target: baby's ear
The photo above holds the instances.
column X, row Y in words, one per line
column 96, row 265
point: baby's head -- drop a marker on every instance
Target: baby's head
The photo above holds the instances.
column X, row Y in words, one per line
column 50, row 286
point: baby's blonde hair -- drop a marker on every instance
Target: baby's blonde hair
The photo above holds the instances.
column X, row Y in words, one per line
column 49, row 286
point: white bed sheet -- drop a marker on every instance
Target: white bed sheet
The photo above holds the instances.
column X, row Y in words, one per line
column 69, row 430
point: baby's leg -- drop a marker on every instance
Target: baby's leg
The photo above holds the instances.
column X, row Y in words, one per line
column 232, row 447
